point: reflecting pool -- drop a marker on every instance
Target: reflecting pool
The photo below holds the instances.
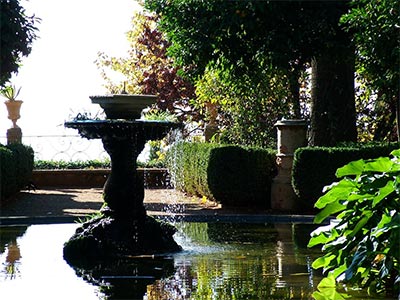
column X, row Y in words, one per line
column 219, row 261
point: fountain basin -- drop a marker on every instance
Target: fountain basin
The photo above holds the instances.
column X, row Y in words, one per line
column 123, row 106
column 123, row 227
column 146, row 129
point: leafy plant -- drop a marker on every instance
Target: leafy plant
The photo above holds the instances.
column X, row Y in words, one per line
column 361, row 246
column 10, row 92
column 159, row 115
column 17, row 32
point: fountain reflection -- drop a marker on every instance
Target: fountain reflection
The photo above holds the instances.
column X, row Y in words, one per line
column 127, row 278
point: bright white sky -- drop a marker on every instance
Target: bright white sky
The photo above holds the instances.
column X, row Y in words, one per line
column 59, row 75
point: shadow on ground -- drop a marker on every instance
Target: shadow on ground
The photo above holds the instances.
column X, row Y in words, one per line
column 57, row 203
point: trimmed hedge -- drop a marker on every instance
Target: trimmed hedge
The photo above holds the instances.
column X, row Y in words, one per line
column 230, row 175
column 315, row 167
column 16, row 163
column 71, row 165
column 87, row 164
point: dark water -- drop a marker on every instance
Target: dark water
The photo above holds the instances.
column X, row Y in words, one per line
column 219, row 261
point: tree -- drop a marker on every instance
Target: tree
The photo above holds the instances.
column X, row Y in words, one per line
column 285, row 34
column 148, row 69
column 375, row 26
column 17, row 32
column 333, row 117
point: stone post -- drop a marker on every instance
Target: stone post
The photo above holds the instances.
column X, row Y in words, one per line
column 291, row 135
column 14, row 136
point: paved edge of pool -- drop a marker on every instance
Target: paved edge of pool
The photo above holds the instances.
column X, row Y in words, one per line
column 238, row 218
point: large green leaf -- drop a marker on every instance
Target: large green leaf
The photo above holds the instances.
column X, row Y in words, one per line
column 327, row 290
column 383, row 193
column 381, row 164
column 339, row 191
column 323, row 261
column 330, row 209
column 352, row 168
column 396, row 153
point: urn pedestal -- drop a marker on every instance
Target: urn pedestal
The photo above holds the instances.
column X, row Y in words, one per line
column 291, row 135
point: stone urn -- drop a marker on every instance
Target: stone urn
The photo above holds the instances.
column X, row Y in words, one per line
column 124, row 106
column 14, row 108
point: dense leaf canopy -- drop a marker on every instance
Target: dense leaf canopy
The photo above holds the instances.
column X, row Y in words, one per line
column 17, row 31
column 285, row 33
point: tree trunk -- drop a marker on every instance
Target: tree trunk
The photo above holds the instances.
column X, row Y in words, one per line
column 333, row 116
column 398, row 118
column 294, row 87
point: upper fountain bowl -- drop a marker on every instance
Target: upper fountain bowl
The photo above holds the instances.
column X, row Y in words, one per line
column 124, row 106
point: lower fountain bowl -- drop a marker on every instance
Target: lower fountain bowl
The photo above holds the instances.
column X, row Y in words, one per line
column 106, row 238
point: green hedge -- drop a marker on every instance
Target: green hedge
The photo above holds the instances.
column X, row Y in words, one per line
column 315, row 167
column 230, row 175
column 78, row 164
column 16, row 162
column 88, row 164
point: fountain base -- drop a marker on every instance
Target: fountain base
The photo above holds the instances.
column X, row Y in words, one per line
column 105, row 237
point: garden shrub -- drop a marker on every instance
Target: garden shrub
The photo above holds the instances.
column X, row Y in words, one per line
column 230, row 175
column 16, row 168
column 8, row 174
column 66, row 165
column 24, row 157
column 187, row 164
column 88, row 164
column 315, row 167
column 361, row 247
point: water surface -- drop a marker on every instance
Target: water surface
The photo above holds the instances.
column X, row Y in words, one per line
column 219, row 261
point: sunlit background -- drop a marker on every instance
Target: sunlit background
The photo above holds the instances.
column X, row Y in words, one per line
column 59, row 75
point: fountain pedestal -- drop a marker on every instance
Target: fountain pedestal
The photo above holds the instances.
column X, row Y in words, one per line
column 122, row 228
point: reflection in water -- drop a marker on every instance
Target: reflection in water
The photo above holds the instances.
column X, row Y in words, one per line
column 9, row 245
column 238, row 262
column 12, row 260
column 219, row 261
column 125, row 278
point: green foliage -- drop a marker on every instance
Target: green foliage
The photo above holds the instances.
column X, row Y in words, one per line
column 16, row 164
column 375, row 29
column 17, row 32
column 24, row 160
column 231, row 175
column 159, row 115
column 88, row 164
column 361, row 246
column 148, row 69
column 10, row 92
column 315, row 167
column 187, row 164
column 77, row 164
column 8, row 174
column 248, row 106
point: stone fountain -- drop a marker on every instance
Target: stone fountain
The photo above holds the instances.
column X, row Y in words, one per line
column 122, row 229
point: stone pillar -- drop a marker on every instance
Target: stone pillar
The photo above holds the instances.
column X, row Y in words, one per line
column 14, row 136
column 291, row 135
